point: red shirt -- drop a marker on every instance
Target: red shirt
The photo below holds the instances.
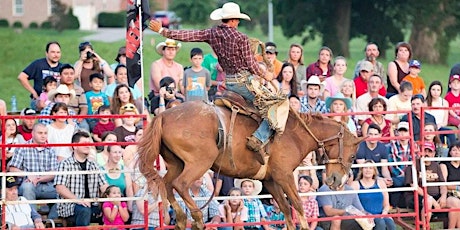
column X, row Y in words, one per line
column 454, row 101
column 27, row 135
column 99, row 128
column 361, row 87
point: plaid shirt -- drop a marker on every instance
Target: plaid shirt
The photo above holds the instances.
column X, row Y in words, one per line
column 320, row 106
column 34, row 159
column 310, row 207
column 256, row 211
column 231, row 46
column 275, row 216
column 76, row 183
column 47, row 112
column 209, row 212
column 398, row 154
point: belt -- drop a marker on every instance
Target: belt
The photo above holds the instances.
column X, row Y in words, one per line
column 235, row 78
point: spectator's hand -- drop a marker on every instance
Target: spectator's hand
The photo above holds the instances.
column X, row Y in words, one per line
column 442, row 201
column 84, row 204
column 227, row 206
column 33, row 179
column 39, row 224
column 117, row 203
column 388, row 182
column 162, row 92
column 240, row 206
column 155, row 25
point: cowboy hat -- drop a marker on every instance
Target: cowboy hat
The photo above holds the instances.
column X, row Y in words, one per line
column 167, row 43
column 257, row 185
column 313, row 80
column 338, row 96
column 228, row 11
column 61, row 89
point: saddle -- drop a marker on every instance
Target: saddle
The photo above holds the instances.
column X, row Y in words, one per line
column 234, row 101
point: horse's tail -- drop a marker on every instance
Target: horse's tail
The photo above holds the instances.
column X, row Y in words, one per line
column 149, row 151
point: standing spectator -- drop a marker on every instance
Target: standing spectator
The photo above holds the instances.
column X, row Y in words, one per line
column 362, row 102
column 256, row 211
column 114, row 212
column 121, row 77
column 453, row 98
column 104, row 124
column 36, row 159
column 311, row 102
column 12, row 136
column 287, row 79
column 210, row 63
column 89, row 63
column 341, row 104
column 434, row 99
column 127, row 131
column 120, row 59
column 167, row 93
column 372, row 53
column 25, row 128
column 95, row 98
column 309, row 203
column 79, row 186
column 323, row 67
column 197, row 79
column 295, row 57
column 39, row 69
column 399, row 68
column 49, row 83
column 61, row 94
column 333, row 83
column 378, row 105
column 375, row 202
column 450, row 171
column 454, row 70
column 418, row 84
column 59, row 132
column 417, row 102
column 272, row 53
column 166, row 66
column 233, row 211
column 400, row 102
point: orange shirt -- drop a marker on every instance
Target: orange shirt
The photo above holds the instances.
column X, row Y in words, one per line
column 418, row 85
column 277, row 65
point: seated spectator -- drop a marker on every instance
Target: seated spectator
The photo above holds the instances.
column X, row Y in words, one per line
column 60, row 94
column 25, row 128
column 323, row 67
column 366, row 70
column 274, row 214
column 103, row 156
column 233, row 210
column 153, row 209
column 336, row 205
column 378, row 105
column 441, row 149
column 121, row 97
column 114, row 212
column 376, row 202
column 59, row 132
column 131, row 150
column 362, row 102
column 104, row 124
column 453, row 98
column 79, row 186
column 36, row 159
column 436, row 195
column 434, row 99
column 309, row 203
column 417, row 102
column 12, row 136
column 252, row 188
column 400, row 102
column 376, row 151
column 341, row 104
column 95, row 98
column 167, row 92
column 114, row 176
column 121, row 77
column 450, row 171
column 311, row 101
column 333, row 83
column 49, row 83
column 127, row 131
column 294, row 102
column 19, row 215
column 417, row 82
column 287, row 79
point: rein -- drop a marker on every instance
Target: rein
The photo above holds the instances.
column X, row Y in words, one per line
column 320, row 143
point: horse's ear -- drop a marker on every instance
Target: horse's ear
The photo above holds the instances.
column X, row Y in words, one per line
column 360, row 139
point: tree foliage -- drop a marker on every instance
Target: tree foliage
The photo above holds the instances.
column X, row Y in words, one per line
column 194, row 12
column 62, row 18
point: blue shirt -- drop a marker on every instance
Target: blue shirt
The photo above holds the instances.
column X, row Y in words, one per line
column 377, row 154
column 337, row 201
column 38, row 70
column 416, row 123
column 96, row 100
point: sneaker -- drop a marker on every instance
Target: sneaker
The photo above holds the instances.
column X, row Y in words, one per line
column 256, row 145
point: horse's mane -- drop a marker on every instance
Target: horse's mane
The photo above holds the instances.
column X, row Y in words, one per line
column 310, row 116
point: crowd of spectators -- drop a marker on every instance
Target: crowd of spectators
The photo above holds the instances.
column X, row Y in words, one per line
column 93, row 87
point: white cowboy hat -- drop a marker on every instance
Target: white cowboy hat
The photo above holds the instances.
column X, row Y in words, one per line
column 257, row 185
column 167, row 43
column 313, row 80
column 228, row 11
column 338, row 96
column 61, row 89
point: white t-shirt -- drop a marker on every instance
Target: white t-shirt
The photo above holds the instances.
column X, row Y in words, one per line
column 61, row 136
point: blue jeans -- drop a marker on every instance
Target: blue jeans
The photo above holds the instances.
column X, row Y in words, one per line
column 264, row 131
column 41, row 191
column 384, row 223
column 82, row 215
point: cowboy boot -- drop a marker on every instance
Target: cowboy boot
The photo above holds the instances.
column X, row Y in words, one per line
column 256, row 145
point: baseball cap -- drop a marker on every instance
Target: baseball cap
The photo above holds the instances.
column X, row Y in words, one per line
column 454, row 77
column 366, row 65
column 271, row 49
column 11, row 181
column 415, row 63
column 403, row 125
column 429, row 145
column 28, row 112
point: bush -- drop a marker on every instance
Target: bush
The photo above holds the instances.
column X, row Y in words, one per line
column 4, row 23
column 111, row 19
column 46, row 25
column 33, row 25
column 72, row 22
column 17, row 24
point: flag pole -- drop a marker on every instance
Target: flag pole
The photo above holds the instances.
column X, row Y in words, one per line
column 141, row 51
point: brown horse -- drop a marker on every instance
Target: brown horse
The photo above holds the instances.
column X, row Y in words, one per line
column 186, row 136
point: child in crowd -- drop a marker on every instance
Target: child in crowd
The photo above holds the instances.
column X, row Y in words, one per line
column 309, row 203
column 104, row 124
column 127, row 131
column 49, row 83
column 418, row 85
column 197, row 80
column 114, row 212
column 153, row 208
column 453, row 98
column 95, row 98
column 253, row 188
column 234, row 211
column 274, row 214
column 59, row 132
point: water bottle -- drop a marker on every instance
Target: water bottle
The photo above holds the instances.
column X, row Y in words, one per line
column 14, row 107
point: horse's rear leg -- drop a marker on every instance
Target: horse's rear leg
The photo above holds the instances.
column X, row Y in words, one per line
column 173, row 173
column 278, row 195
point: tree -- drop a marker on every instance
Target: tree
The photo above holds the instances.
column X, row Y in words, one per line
column 60, row 20
column 194, row 12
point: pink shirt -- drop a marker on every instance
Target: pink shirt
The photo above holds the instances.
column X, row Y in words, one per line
column 118, row 220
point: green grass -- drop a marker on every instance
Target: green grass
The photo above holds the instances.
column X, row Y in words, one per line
column 20, row 48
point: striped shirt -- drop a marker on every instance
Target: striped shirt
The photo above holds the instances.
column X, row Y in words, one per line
column 209, row 212
column 76, row 183
column 47, row 112
column 34, row 159
column 154, row 217
column 231, row 46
